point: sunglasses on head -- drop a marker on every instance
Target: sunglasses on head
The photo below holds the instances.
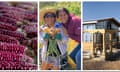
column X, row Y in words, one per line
column 49, row 15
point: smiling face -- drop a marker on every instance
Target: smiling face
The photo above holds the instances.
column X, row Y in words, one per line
column 49, row 19
column 63, row 16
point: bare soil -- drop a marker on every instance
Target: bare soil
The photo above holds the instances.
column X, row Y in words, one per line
column 102, row 64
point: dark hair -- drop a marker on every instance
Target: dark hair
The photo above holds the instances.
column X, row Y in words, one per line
column 62, row 9
column 49, row 13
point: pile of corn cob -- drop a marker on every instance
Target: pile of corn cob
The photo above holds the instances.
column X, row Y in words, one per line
column 18, row 35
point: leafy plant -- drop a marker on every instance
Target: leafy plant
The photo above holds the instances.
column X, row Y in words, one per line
column 73, row 7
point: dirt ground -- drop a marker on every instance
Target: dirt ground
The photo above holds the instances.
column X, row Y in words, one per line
column 100, row 63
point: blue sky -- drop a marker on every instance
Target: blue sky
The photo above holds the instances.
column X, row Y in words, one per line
column 99, row 10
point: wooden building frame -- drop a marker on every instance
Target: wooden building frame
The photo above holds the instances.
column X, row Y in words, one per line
column 105, row 37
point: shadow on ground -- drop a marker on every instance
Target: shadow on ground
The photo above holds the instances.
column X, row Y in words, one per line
column 113, row 56
column 111, row 62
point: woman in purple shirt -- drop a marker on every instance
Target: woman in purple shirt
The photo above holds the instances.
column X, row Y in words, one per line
column 73, row 27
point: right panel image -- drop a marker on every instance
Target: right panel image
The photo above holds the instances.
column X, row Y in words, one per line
column 100, row 36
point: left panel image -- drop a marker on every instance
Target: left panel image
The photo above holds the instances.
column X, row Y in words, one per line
column 18, row 35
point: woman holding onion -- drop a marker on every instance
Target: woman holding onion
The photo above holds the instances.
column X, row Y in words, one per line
column 54, row 38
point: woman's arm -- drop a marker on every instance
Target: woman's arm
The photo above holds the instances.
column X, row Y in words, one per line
column 44, row 44
column 41, row 36
column 77, row 36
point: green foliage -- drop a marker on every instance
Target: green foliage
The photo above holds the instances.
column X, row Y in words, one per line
column 73, row 7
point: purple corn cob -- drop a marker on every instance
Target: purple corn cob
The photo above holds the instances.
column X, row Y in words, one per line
column 7, row 19
column 31, row 16
column 12, row 8
column 14, row 48
column 5, row 3
column 8, row 56
column 9, row 65
column 8, row 39
column 16, row 16
column 31, row 30
column 18, row 35
column 7, row 26
column 34, row 45
column 11, row 24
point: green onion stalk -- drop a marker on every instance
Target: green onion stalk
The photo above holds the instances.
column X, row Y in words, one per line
column 52, row 47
